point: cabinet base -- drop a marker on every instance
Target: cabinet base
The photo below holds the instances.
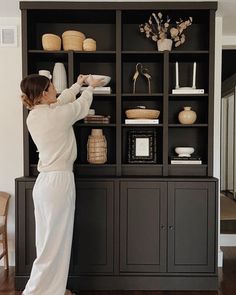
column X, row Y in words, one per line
column 167, row 283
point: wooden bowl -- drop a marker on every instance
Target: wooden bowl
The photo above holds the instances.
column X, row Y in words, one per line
column 142, row 114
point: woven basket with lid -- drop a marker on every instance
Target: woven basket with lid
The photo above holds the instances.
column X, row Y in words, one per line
column 73, row 40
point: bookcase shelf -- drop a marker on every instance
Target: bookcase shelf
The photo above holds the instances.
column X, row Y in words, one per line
column 120, row 46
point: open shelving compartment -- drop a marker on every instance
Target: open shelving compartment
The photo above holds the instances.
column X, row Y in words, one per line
column 120, row 46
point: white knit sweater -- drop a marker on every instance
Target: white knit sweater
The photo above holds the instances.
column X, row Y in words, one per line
column 51, row 128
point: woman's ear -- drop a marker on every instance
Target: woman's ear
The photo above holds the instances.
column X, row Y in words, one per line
column 45, row 93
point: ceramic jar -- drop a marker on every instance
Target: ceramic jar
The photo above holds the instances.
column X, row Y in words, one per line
column 59, row 77
column 97, row 147
column 187, row 116
column 164, row 44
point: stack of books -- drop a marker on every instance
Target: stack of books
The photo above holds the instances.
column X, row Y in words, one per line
column 99, row 90
column 141, row 121
column 97, row 119
column 186, row 160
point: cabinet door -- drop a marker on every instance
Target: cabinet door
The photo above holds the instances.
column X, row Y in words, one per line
column 191, row 226
column 142, row 226
column 25, row 228
column 92, row 249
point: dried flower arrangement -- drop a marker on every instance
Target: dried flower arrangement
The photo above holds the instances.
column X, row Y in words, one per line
column 158, row 29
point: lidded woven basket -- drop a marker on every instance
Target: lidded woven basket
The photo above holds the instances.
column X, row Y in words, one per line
column 73, row 40
column 97, row 147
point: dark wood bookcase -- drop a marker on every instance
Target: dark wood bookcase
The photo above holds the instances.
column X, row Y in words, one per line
column 149, row 221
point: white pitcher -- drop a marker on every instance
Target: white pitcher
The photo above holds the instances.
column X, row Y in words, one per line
column 59, row 77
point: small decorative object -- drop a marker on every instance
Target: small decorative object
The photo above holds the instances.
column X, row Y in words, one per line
column 106, row 79
column 186, row 90
column 89, row 44
column 73, row 40
column 97, row 147
column 45, row 73
column 142, row 113
column 187, row 116
column 51, row 42
column 91, row 112
column 59, row 77
column 142, row 146
column 140, row 70
column 97, row 119
column 159, row 30
column 184, row 151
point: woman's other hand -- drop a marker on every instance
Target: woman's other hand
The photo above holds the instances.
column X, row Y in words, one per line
column 81, row 79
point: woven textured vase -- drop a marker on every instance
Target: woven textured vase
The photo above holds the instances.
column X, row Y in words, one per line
column 97, row 147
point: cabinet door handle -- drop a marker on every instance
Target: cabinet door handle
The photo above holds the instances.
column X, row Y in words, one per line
column 163, row 227
column 171, row 227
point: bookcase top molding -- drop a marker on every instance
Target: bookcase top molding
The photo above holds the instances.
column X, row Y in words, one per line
column 120, row 5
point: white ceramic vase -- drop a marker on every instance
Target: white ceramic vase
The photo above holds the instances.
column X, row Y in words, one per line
column 59, row 78
column 164, row 44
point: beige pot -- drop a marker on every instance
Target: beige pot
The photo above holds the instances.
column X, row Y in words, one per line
column 187, row 116
column 164, row 44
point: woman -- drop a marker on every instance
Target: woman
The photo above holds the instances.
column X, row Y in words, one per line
column 50, row 123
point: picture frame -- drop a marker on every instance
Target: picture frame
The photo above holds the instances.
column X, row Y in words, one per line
column 8, row 36
column 142, row 146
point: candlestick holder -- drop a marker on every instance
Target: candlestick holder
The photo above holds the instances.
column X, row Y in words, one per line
column 186, row 90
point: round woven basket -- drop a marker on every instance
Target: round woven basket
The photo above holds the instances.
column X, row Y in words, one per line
column 142, row 114
column 73, row 40
column 89, row 45
column 51, row 42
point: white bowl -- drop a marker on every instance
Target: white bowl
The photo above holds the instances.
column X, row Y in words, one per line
column 184, row 151
column 106, row 79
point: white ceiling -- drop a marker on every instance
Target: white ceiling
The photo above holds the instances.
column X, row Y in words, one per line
column 226, row 9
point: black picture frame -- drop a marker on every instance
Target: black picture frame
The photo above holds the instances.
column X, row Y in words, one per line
column 142, row 146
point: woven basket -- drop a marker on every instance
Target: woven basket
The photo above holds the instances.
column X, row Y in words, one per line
column 142, row 114
column 73, row 40
column 89, row 45
column 51, row 42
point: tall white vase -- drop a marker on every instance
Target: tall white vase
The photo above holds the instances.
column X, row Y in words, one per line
column 59, row 78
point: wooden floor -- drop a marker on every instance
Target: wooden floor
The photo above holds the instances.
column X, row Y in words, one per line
column 227, row 281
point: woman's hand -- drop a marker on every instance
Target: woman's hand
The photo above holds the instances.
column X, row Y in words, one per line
column 81, row 79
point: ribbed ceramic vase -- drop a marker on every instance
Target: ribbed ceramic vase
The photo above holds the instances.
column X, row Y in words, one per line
column 59, row 78
column 97, row 147
column 187, row 116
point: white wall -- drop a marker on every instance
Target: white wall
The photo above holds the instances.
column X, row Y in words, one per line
column 11, row 127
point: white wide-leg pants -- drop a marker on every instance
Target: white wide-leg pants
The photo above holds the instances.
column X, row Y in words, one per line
column 54, row 205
